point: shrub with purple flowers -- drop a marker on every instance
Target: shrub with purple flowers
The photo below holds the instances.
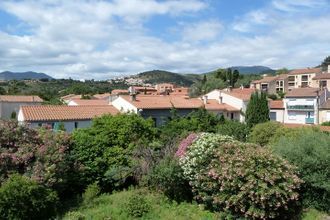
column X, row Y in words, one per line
column 39, row 154
column 242, row 179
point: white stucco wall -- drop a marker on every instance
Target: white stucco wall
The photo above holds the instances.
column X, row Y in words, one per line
column 124, row 106
column 299, row 116
column 72, row 103
column 279, row 114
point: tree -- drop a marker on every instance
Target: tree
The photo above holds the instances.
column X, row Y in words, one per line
column 2, row 91
column 105, row 149
column 228, row 76
column 204, row 79
column 325, row 63
column 257, row 109
column 282, row 71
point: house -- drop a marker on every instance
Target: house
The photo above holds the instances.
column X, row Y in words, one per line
column 276, row 110
column 157, row 107
column 301, row 78
column 302, row 105
column 237, row 99
column 73, row 117
column 271, row 84
column 10, row 104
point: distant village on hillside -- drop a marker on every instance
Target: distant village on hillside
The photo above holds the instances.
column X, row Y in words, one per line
column 303, row 100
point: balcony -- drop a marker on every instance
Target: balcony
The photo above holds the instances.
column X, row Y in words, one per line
column 309, row 120
column 301, row 107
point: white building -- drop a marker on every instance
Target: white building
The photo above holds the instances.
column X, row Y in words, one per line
column 10, row 104
column 235, row 98
column 73, row 117
column 302, row 105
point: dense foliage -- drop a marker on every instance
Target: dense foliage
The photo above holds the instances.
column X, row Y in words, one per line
column 309, row 150
column 22, row 198
column 236, row 129
column 263, row 133
column 41, row 155
column 257, row 109
column 105, row 149
column 240, row 178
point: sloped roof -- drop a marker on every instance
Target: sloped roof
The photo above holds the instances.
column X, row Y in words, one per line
column 276, row 104
column 266, row 79
column 303, row 92
column 243, row 94
column 102, row 96
column 322, row 76
column 164, row 102
column 65, row 113
column 90, row 102
column 305, row 71
column 214, row 105
column 20, row 98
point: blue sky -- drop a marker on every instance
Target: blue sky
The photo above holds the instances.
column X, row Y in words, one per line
column 101, row 39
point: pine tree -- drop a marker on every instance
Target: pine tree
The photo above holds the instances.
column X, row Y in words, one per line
column 257, row 109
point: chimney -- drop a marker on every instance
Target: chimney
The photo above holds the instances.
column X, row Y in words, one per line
column 241, row 87
column 133, row 97
column 230, row 88
column 205, row 99
column 328, row 68
column 220, row 99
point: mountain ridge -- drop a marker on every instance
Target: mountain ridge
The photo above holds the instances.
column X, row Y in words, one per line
column 8, row 75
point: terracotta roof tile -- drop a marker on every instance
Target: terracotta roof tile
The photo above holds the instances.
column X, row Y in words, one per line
column 102, row 96
column 119, row 91
column 303, row 92
column 214, row 105
column 90, row 102
column 20, row 98
column 64, row 113
column 164, row 102
column 276, row 104
column 322, row 76
column 305, row 71
column 266, row 79
column 244, row 94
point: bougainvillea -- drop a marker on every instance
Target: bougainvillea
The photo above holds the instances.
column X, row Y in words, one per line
column 239, row 178
column 185, row 143
column 39, row 154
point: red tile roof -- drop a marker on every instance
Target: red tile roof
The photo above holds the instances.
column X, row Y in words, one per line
column 20, row 98
column 119, row 91
column 215, row 106
column 305, row 71
column 64, row 113
column 244, row 94
column 322, row 76
column 266, row 79
column 303, row 92
column 102, row 96
column 276, row 104
column 164, row 102
column 90, row 102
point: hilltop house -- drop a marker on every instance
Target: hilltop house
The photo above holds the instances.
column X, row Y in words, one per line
column 72, row 117
column 10, row 104
column 271, row 84
column 302, row 78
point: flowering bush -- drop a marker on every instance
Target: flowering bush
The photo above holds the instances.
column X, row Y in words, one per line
column 39, row 154
column 185, row 143
column 240, row 178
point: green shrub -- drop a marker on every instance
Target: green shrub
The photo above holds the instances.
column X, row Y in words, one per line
column 74, row 215
column 326, row 123
column 105, row 149
column 309, row 150
column 138, row 205
column 242, row 179
column 168, row 177
column 91, row 192
column 262, row 133
column 237, row 130
column 22, row 198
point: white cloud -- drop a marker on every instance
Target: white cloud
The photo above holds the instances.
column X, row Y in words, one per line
column 98, row 39
column 202, row 31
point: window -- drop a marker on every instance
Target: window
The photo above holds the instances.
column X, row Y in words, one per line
column 76, row 124
column 304, row 78
column 292, row 116
column 39, row 124
column 232, row 116
column 155, row 121
column 304, row 84
column 272, row 116
column 323, row 84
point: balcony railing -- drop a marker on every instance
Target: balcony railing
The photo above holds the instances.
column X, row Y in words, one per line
column 300, row 107
column 309, row 120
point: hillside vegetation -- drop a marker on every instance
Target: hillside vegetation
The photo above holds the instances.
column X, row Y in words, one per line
column 160, row 76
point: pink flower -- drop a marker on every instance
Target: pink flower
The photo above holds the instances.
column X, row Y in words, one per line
column 185, row 143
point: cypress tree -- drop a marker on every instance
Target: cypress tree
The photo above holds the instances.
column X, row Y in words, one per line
column 257, row 109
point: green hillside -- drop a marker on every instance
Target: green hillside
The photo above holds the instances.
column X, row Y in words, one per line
column 161, row 76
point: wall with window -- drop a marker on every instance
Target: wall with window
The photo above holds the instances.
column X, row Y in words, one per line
column 69, row 126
